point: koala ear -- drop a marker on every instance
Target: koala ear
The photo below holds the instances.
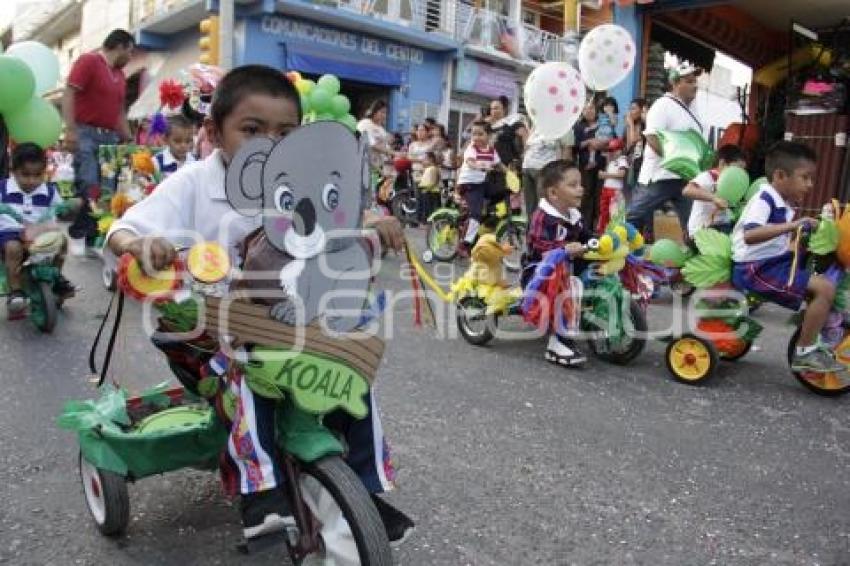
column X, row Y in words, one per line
column 243, row 183
column 365, row 171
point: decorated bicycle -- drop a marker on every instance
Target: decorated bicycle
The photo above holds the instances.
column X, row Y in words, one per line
column 612, row 310
column 726, row 331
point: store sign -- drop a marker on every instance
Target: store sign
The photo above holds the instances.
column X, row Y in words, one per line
column 305, row 32
column 484, row 79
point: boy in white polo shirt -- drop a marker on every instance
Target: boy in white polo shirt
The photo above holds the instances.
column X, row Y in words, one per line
column 250, row 101
column 763, row 260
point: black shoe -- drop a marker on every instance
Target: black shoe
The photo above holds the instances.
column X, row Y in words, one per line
column 265, row 512
column 64, row 288
column 398, row 525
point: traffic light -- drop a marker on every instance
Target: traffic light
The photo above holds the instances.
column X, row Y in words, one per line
column 209, row 41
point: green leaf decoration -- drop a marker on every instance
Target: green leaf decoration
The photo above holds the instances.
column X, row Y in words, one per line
column 181, row 317
column 714, row 243
column 705, row 271
column 824, row 240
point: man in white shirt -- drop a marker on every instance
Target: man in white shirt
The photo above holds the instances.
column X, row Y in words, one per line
column 672, row 112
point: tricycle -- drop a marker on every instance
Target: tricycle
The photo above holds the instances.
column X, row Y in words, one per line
column 126, row 438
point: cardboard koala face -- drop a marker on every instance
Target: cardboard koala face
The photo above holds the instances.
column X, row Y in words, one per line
column 309, row 187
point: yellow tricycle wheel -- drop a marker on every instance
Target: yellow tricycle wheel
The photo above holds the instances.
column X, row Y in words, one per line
column 691, row 359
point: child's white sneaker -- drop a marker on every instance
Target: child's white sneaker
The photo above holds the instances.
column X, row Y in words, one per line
column 564, row 352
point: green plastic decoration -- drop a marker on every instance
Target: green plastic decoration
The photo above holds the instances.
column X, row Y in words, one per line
column 732, row 184
column 340, row 105
column 824, row 240
column 330, row 84
column 17, row 85
column 305, row 104
column 842, row 294
column 685, row 153
column 320, row 101
column 713, row 243
column 316, row 384
column 37, row 121
column 704, row 271
column 754, row 188
column 667, row 253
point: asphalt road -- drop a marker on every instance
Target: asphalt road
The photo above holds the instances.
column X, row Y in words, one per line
column 503, row 459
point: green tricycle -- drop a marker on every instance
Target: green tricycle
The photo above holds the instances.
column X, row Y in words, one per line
column 40, row 272
column 124, row 439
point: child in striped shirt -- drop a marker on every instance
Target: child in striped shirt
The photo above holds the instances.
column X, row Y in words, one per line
column 479, row 159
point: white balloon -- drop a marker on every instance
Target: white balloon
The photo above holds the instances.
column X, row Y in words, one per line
column 41, row 59
column 554, row 98
column 606, row 56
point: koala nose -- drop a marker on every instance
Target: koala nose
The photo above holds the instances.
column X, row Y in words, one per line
column 304, row 219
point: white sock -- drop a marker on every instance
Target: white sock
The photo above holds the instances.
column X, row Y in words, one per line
column 471, row 230
column 803, row 350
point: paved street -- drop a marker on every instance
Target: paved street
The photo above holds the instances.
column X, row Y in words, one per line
column 504, row 459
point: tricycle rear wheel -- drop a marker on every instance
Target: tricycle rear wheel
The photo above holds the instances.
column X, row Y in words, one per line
column 106, row 497
column 691, row 360
column 824, row 384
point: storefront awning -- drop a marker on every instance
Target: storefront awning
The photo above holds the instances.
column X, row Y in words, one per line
column 163, row 66
column 318, row 62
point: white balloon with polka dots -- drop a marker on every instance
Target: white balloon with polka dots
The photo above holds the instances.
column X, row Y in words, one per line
column 606, row 56
column 554, row 97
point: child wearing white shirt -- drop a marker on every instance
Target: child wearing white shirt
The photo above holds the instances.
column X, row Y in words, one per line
column 763, row 262
column 708, row 208
column 192, row 205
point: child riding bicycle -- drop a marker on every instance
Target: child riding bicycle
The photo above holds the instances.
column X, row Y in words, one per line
column 764, row 263
column 557, row 225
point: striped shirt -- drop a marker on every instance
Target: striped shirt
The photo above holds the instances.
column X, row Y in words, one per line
column 31, row 206
column 486, row 158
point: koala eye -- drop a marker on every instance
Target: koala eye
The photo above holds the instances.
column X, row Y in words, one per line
column 284, row 200
column 330, row 196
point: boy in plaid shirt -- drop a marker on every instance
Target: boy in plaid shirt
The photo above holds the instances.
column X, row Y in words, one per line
column 557, row 227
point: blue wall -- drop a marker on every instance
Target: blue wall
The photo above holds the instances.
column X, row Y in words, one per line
column 628, row 18
column 412, row 74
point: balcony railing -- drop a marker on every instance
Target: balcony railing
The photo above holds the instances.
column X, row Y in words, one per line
column 144, row 9
column 479, row 27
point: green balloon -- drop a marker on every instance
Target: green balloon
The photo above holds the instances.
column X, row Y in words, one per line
column 17, row 84
column 41, row 60
column 329, row 83
column 667, row 253
column 350, row 121
column 340, row 105
column 37, row 121
column 732, row 184
column 320, row 100
column 754, row 188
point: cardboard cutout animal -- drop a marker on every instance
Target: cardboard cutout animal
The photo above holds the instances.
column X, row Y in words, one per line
column 310, row 190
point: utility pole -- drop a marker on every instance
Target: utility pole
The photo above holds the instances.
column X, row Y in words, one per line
column 572, row 27
column 225, row 30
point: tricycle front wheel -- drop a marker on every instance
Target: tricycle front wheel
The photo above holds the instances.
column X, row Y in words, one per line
column 350, row 527
column 106, row 497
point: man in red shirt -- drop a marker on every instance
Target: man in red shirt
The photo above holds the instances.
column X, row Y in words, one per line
column 93, row 105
